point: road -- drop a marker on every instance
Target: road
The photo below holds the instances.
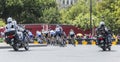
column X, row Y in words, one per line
column 81, row 53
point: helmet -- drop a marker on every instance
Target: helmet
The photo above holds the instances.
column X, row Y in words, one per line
column 102, row 23
column 9, row 20
column 57, row 25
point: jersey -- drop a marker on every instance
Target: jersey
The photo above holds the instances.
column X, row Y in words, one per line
column 72, row 33
column 30, row 33
column 52, row 32
column 38, row 34
column 57, row 29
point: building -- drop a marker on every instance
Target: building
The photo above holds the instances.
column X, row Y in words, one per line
column 65, row 3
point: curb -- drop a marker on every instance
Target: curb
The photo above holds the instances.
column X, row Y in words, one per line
column 34, row 45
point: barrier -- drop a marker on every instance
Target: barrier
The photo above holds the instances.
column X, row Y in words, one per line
column 93, row 42
column 84, row 42
column 76, row 42
column 36, row 42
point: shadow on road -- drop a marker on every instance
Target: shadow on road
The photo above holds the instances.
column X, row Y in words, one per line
column 107, row 51
column 19, row 51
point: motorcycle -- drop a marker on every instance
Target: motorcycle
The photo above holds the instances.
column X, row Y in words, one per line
column 103, row 43
column 13, row 39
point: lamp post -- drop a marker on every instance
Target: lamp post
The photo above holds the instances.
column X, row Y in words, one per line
column 91, row 16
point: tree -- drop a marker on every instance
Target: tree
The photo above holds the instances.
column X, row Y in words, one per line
column 105, row 10
column 78, row 14
column 51, row 16
column 110, row 10
column 30, row 11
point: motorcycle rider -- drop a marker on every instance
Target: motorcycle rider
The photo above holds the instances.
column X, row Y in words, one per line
column 11, row 28
column 104, row 31
column 15, row 24
column 21, row 31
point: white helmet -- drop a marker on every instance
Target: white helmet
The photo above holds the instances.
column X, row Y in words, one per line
column 102, row 23
column 57, row 25
column 9, row 20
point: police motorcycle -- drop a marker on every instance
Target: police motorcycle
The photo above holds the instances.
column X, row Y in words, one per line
column 17, row 39
column 103, row 43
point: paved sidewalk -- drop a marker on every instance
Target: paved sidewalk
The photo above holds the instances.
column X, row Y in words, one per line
column 4, row 45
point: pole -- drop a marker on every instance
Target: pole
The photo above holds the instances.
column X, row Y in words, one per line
column 91, row 16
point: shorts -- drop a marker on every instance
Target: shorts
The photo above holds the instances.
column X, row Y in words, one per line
column 58, row 34
column 30, row 36
column 72, row 35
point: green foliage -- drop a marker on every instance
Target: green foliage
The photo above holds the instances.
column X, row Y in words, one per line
column 78, row 14
column 30, row 11
column 110, row 10
column 2, row 23
column 51, row 15
column 46, row 11
column 105, row 10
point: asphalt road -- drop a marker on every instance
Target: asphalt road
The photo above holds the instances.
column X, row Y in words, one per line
column 81, row 53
